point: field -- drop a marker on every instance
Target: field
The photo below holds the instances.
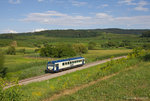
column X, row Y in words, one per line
column 46, row 89
column 37, row 40
column 128, row 78
column 31, row 64
column 130, row 85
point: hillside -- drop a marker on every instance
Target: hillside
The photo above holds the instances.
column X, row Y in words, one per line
column 99, row 36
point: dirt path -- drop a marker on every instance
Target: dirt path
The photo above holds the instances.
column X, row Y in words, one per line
column 50, row 76
column 75, row 89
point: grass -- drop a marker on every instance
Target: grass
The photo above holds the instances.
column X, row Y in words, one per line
column 27, row 65
column 126, row 86
column 94, row 55
column 45, row 89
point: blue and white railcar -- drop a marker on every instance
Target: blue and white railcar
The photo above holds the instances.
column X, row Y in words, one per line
column 55, row 66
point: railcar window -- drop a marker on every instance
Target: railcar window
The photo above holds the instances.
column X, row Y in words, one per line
column 63, row 64
column 68, row 62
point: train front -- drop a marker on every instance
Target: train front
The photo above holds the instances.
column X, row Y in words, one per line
column 50, row 67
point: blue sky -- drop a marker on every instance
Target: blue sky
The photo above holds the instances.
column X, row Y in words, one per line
column 36, row 15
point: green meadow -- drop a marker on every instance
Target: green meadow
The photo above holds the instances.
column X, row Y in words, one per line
column 27, row 62
column 127, row 77
column 130, row 85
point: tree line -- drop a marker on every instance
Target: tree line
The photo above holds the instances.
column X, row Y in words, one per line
column 63, row 50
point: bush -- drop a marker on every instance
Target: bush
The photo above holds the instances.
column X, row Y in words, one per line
column 146, row 57
column 109, row 45
column 146, row 34
column 22, row 51
column 59, row 51
column 11, row 50
column 10, row 94
column 91, row 45
column 80, row 48
column 146, row 46
column 2, row 68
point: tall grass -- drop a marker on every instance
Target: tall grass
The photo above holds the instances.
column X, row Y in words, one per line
column 41, row 90
column 129, row 85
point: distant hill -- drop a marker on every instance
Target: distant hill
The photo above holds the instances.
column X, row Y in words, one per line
column 67, row 33
column 77, row 33
column 123, row 31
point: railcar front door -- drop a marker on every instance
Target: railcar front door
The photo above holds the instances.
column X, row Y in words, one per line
column 57, row 67
column 82, row 62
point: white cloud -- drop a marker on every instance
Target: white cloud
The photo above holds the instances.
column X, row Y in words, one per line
column 127, row 2
column 139, row 5
column 40, row 0
column 57, row 18
column 77, row 3
column 9, row 31
column 103, row 6
column 140, row 8
column 38, row 30
column 14, row 1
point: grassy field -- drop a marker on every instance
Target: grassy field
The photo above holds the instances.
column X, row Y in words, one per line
column 28, row 65
column 32, row 41
column 132, row 85
column 45, row 89
column 94, row 55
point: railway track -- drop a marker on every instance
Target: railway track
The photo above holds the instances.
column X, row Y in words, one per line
column 53, row 75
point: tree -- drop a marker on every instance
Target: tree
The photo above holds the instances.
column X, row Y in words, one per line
column 11, row 50
column 2, row 68
column 80, row 48
column 59, row 51
column 91, row 45
column 146, row 46
column 23, row 50
column 146, row 34
column 14, row 43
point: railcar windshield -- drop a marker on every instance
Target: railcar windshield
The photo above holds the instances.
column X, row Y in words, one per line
column 50, row 65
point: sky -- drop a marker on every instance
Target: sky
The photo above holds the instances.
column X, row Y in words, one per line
column 18, row 16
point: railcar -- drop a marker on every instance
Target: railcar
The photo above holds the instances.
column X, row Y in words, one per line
column 55, row 66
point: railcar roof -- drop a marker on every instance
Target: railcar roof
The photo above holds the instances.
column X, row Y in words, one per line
column 66, row 59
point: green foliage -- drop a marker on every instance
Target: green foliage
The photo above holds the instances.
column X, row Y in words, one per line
column 124, row 43
column 146, row 34
column 68, row 33
column 56, row 85
column 109, row 45
column 2, row 68
column 59, row 51
column 137, row 52
column 129, row 85
column 91, row 45
column 11, row 50
column 146, row 57
column 22, row 51
column 11, row 94
column 80, row 48
column 146, row 46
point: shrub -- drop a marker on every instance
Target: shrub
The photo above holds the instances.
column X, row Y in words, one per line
column 109, row 45
column 11, row 50
column 2, row 68
column 80, row 48
column 146, row 57
column 59, row 51
column 22, row 51
column 10, row 94
column 146, row 34
column 146, row 46
column 91, row 45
